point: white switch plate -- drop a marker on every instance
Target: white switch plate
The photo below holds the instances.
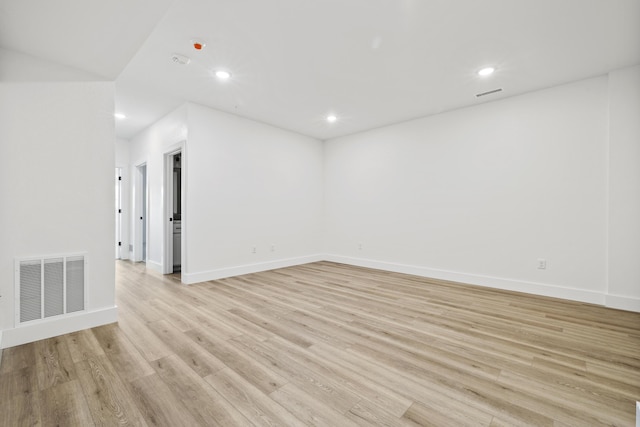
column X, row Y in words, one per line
column 542, row 263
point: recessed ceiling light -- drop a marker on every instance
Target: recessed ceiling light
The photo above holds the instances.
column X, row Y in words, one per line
column 486, row 71
column 119, row 116
column 223, row 75
column 331, row 118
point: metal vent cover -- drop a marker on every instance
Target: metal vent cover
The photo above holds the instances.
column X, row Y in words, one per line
column 49, row 286
column 489, row 92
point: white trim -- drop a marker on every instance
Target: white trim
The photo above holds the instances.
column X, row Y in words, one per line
column 479, row 280
column 155, row 266
column 184, row 167
column 542, row 289
column 623, row 303
column 191, row 278
column 58, row 326
column 167, row 212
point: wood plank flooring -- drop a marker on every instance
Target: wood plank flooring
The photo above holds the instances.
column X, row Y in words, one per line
column 326, row 344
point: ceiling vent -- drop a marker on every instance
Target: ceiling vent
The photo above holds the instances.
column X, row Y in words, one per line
column 180, row 59
column 489, row 92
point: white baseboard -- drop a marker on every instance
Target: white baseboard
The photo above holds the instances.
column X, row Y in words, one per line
column 479, row 280
column 623, row 303
column 155, row 266
column 607, row 300
column 57, row 326
column 191, row 278
column 543, row 289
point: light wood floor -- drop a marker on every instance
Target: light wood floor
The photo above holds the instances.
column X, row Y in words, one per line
column 329, row 345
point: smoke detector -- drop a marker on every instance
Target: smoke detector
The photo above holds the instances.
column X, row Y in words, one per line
column 198, row 44
column 180, row 59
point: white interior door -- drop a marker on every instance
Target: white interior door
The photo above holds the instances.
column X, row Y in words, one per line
column 140, row 217
column 118, row 203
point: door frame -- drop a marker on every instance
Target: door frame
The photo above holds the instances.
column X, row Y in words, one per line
column 167, row 206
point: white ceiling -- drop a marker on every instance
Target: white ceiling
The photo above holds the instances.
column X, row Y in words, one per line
column 370, row 62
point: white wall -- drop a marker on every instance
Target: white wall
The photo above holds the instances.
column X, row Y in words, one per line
column 624, row 189
column 249, row 184
column 479, row 194
column 149, row 147
column 20, row 67
column 246, row 184
column 123, row 162
column 57, row 192
column 476, row 195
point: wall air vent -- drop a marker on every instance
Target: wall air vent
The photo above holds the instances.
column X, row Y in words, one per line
column 49, row 286
column 488, row 93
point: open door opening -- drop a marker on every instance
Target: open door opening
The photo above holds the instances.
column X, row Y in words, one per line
column 174, row 167
column 177, row 211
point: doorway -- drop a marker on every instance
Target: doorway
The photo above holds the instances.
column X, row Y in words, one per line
column 174, row 167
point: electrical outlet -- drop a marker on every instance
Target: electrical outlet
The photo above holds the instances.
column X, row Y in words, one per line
column 253, row 249
column 359, row 246
column 273, row 247
column 542, row 263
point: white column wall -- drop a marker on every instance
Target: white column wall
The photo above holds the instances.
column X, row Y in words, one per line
column 249, row 185
column 624, row 189
column 57, row 193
